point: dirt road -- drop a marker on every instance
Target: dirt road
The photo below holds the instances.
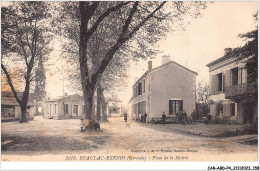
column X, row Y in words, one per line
column 44, row 139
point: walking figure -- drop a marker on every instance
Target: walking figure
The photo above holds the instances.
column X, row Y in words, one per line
column 145, row 115
column 163, row 118
column 125, row 117
column 193, row 117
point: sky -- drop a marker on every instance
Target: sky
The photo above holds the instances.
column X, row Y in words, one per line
column 203, row 41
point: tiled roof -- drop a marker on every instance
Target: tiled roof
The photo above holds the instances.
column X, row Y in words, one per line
column 71, row 97
column 79, row 97
column 7, row 98
column 218, row 60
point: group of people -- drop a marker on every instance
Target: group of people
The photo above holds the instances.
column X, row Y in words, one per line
column 182, row 117
column 143, row 117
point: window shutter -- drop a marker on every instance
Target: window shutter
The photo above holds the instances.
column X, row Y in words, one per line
column 213, row 84
column 181, row 105
column 227, row 78
column 170, row 106
column 239, row 76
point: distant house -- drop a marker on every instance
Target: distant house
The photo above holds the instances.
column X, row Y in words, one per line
column 233, row 94
column 169, row 88
column 72, row 106
column 69, row 106
column 114, row 107
column 11, row 108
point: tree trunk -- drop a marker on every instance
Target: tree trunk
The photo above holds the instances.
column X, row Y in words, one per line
column 99, row 93
column 104, row 105
column 89, row 99
column 23, row 113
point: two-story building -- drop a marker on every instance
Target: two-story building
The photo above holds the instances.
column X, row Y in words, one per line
column 169, row 88
column 234, row 96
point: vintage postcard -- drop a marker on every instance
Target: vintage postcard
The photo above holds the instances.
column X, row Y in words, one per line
column 129, row 81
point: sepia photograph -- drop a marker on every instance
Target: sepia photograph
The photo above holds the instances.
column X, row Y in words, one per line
column 130, row 81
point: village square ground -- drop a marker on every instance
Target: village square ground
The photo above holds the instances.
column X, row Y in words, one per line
column 60, row 140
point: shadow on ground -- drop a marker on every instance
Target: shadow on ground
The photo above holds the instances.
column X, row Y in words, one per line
column 52, row 144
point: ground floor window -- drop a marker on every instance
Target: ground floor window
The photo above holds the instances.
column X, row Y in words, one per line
column 75, row 109
column 55, row 108
column 175, row 106
column 232, row 109
column 139, row 108
column 7, row 111
column 66, row 108
column 219, row 109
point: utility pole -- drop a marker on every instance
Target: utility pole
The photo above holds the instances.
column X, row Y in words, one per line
column 63, row 90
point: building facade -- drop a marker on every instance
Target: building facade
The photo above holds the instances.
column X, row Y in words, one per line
column 69, row 106
column 233, row 95
column 169, row 88
column 73, row 106
column 114, row 107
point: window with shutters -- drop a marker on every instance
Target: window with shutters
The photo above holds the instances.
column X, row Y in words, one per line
column 66, row 108
column 175, row 106
column 75, row 109
column 220, row 83
column 139, row 108
column 234, row 76
column 139, row 88
column 219, row 109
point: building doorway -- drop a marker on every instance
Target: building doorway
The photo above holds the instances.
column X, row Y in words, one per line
column 248, row 113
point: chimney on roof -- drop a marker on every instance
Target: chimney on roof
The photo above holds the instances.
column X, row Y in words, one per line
column 150, row 65
column 166, row 59
column 227, row 50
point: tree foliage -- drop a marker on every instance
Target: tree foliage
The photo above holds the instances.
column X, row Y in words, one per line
column 24, row 39
column 130, row 29
column 202, row 93
column 250, row 51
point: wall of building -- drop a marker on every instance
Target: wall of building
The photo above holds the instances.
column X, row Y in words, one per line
column 225, row 67
column 31, row 111
column 60, row 114
column 142, row 99
column 171, row 83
